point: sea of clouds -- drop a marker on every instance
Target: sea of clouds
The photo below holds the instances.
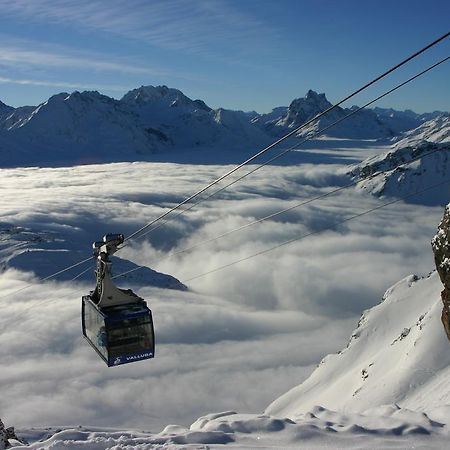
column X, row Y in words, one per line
column 240, row 337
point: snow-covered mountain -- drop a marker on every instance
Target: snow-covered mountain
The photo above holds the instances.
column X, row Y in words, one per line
column 187, row 123
column 398, row 354
column 366, row 124
column 89, row 127
column 43, row 252
column 434, row 130
column 428, row 149
column 404, row 120
column 5, row 110
column 78, row 127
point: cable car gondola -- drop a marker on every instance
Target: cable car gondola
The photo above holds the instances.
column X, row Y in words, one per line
column 116, row 322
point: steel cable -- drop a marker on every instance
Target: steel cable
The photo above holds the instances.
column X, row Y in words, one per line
column 288, row 135
column 294, row 147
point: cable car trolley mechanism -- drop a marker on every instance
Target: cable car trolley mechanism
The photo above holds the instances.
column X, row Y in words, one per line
column 116, row 322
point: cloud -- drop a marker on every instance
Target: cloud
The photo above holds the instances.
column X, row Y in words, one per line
column 63, row 85
column 50, row 375
column 23, row 54
column 241, row 336
column 169, row 24
column 25, row 58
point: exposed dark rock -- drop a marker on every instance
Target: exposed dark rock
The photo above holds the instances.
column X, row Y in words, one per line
column 445, row 317
column 6, row 434
column 441, row 249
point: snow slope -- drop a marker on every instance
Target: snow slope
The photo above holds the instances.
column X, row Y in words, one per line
column 398, row 354
column 434, row 130
column 429, row 145
column 40, row 252
column 395, row 429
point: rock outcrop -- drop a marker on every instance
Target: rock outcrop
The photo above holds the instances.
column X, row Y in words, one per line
column 441, row 248
column 6, row 434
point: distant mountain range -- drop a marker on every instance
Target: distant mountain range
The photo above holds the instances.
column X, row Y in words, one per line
column 423, row 155
column 39, row 251
column 89, row 127
column 367, row 124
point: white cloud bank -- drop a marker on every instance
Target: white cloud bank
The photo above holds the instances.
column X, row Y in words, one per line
column 240, row 337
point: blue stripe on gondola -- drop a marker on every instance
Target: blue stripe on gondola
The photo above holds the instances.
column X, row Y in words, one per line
column 124, row 359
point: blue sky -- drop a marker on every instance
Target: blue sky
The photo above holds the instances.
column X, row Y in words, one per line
column 238, row 54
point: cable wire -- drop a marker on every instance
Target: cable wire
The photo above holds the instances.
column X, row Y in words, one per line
column 288, row 135
column 40, row 303
column 49, row 277
column 275, row 214
column 281, row 244
column 312, row 233
column 281, row 154
column 81, row 273
column 414, row 55
column 294, row 147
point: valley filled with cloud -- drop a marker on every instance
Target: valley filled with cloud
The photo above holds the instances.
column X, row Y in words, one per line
column 239, row 337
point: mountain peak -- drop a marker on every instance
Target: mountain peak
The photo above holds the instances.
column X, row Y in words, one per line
column 84, row 96
column 150, row 93
column 313, row 95
column 5, row 109
column 3, row 105
column 162, row 95
column 314, row 98
column 305, row 108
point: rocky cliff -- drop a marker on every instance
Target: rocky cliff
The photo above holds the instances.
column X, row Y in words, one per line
column 441, row 248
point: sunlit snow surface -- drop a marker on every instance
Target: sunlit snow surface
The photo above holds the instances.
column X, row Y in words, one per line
column 239, row 338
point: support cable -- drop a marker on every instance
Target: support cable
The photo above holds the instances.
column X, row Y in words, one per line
column 312, row 233
column 294, row 147
column 414, row 55
column 278, row 213
column 288, row 135
column 299, row 238
column 49, row 277
column 11, row 319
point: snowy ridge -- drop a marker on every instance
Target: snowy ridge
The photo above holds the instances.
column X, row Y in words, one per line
column 89, row 127
column 366, row 124
column 5, row 110
column 404, row 120
column 434, row 130
column 397, row 355
column 79, row 128
column 161, row 97
column 429, row 142
column 42, row 253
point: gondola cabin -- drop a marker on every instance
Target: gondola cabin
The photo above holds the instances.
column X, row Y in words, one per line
column 120, row 334
column 116, row 322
